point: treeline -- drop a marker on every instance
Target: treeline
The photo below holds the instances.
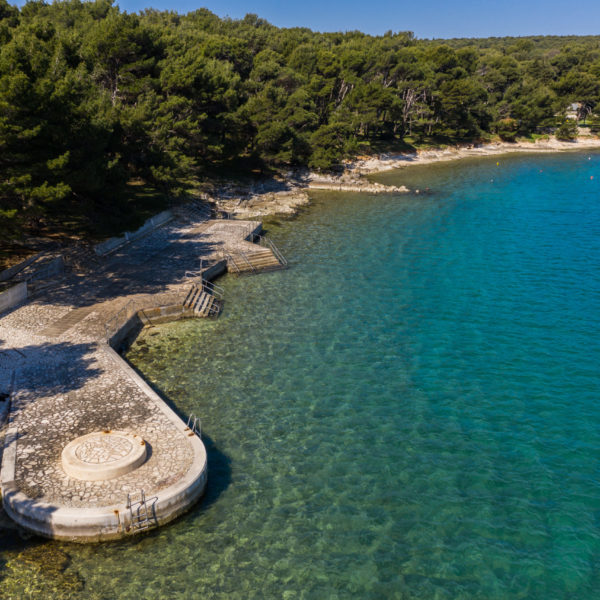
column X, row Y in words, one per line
column 91, row 97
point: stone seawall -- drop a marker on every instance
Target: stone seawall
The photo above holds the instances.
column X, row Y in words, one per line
column 114, row 243
column 357, row 186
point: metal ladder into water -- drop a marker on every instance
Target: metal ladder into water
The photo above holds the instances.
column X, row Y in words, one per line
column 142, row 514
column 194, row 425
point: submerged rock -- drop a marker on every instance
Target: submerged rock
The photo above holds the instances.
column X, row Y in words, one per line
column 40, row 571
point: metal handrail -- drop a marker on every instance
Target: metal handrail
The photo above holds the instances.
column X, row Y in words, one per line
column 198, row 276
column 243, row 255
column 267, row 243
column 113, row 324
column 207, row 285
column 215, row 308
column 216, row 304
column 195, row 210
column 226, row 256
column 215, row 290
column 249, row 230
column 110, row 329
column 142, row 517
column 277, row 253
column 193, row 274
column 237, row 268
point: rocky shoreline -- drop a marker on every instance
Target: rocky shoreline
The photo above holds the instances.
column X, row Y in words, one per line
column 288, row 193
column 387, row 162
column 285, row 195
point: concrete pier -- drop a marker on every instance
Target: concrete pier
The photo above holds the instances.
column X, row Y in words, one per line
column 66, row 381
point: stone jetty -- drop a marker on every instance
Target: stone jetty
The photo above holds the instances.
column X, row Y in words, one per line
column 91, row 452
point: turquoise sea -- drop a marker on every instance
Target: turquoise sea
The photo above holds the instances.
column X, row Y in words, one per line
column 411, row 411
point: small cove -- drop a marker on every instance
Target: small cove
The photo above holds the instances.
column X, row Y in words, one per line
column 410, row 411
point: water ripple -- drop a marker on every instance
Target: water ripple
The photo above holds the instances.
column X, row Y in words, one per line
column 410, row 411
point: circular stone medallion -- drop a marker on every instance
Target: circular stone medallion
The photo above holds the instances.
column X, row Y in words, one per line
column 103, row 455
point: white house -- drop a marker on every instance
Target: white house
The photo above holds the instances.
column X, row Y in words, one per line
column 573, row 111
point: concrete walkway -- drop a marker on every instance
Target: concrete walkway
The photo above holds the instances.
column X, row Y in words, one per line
column 65, row 381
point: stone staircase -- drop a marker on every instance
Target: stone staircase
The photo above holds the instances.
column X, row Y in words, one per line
column 256, row 257
column 257, row 260
column 202, row 302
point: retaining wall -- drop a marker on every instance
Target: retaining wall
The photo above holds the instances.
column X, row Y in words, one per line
column 215, row 270
column 13, row 296
column 112, row 244
column 128, row 331
column 9, row 273
column 49, row 269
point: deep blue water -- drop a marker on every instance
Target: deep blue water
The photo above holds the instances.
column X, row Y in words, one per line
column 410, row 411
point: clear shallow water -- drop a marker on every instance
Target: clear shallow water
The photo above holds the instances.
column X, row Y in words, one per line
column 410, row 411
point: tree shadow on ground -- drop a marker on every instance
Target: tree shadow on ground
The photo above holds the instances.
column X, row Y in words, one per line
column 145, row 267
column 148, row 265
column 43, row 375
column 49, row 369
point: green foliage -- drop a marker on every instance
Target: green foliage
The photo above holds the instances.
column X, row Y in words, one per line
column 567, row 131
column 331, row 142
column 507, row 129
column 594, row 124
column 91, row 97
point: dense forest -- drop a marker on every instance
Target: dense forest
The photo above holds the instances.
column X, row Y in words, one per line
column 92, row 97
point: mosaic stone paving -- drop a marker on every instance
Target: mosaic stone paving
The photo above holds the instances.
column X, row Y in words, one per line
column 66, row 383
column 101, row 450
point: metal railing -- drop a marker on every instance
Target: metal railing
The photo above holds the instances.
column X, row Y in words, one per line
column 120, row 318
column 246, row 260
column 200, row 209
column 249, row 231
column 267, row 243
column 195, row 210
column 214, row 290
column 199, row 273
column 133, row 306
column 212, row 295
column 197, row 277
column 215, row 309
column 222, row 214
column 231, row 261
